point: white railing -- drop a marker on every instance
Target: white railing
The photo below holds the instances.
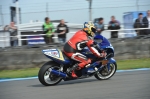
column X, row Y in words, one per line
column 74, row 32
column 55, row 37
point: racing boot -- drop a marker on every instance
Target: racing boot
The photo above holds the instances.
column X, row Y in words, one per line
column 73, row 74
column 71, row 71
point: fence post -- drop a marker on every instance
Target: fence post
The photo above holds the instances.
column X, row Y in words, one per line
column 47, row 10
column 18, row 22
column 2, row 20
column 149, row 48
column 1, row 15
column 137, row 6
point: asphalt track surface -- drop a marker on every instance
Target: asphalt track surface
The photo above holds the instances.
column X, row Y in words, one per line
column 123, row 85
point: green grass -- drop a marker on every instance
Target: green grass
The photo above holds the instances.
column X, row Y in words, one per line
column 134, row 63
column 122, row 64
column 19, row 73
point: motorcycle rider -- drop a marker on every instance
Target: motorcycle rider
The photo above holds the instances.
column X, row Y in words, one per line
column 80, row 40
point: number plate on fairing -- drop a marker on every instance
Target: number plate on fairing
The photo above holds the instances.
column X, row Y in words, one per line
column 55, row 53
column 52, row 53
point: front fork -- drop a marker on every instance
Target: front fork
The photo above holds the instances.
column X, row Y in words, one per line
column 110, row 61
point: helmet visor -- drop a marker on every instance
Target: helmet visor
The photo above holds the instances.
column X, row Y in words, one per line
column 93, row 30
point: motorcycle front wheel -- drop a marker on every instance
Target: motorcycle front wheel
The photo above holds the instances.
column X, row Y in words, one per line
column 105, row 74
column 45, row 76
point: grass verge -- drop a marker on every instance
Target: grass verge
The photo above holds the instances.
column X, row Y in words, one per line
column 122, row 64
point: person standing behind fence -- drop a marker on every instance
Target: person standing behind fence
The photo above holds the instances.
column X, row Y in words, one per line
column 99, row 26
column 62, row 29
column 114, row 25
column 48, row 29
column 146, row 21
column 13, row 32
column 139, row 24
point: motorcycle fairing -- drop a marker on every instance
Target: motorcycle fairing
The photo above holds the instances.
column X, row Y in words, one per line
column 112, row 60
column 54, row 53
column 103, row 42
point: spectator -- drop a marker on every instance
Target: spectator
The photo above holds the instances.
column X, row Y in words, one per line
column 6, row 27
column 62, row 29
column 146, row 22
column 48, row 29
column 139, row 24
column 114, row 25
column 99, row 26
column 13, row 32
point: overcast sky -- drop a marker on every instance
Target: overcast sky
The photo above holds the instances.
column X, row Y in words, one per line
column 74, row 11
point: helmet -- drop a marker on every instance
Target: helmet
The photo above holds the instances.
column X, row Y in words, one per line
column 89, row 28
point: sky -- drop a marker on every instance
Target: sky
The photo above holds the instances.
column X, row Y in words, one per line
column 73, row 11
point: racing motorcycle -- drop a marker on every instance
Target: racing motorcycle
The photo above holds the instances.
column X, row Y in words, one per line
column 54, row 71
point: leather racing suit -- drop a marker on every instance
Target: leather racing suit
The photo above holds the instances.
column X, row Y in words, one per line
column 79, row 41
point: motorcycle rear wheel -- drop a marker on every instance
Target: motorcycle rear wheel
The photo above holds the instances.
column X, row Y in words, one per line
column 45, row 77
column 103, row 75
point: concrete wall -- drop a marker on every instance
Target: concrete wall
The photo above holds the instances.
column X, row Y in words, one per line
column 26, row 57
column 132, row 48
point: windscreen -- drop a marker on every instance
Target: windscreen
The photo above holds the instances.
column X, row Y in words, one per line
column 102, row 41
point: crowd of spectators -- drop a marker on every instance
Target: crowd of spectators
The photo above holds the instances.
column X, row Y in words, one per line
column 62, row 29
column 143, row 22
column 112, row 25
column 140, row 22
column 48, row 30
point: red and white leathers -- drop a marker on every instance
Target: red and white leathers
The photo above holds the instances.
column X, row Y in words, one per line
column 79, row 41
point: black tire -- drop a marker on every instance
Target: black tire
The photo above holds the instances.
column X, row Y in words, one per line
column 97, row 76
column 42, row 71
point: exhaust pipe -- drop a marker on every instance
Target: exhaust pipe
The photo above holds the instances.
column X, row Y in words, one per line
column 58, row 73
